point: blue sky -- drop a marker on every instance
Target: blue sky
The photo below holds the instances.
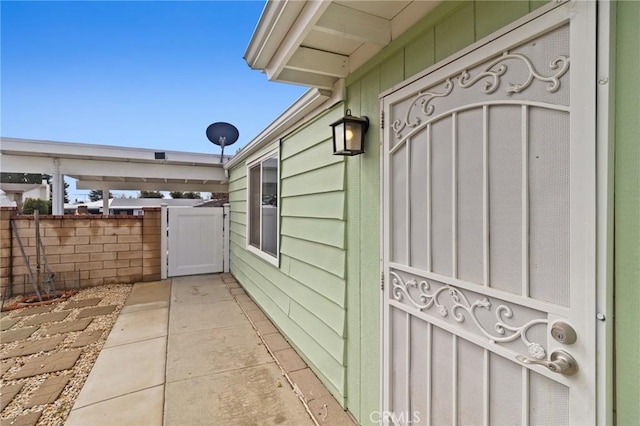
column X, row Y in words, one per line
column 139, row 73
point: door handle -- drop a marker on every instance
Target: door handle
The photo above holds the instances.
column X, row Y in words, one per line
column 559, row 362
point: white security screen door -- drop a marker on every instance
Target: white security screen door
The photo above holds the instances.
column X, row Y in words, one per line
column 195, row 240
column 489, row 232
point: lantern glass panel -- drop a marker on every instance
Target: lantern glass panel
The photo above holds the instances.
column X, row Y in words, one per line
column 339, row 137
column 353, row 135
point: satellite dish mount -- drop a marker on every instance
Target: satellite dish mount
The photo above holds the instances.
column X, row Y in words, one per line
column 222, row 134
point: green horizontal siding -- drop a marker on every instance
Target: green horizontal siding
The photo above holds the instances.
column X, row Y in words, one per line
column 305, row 295
column 326, row 179
column 328, row 205
column 327, row 232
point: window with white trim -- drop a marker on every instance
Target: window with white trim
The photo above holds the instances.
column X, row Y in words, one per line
column 262, row 222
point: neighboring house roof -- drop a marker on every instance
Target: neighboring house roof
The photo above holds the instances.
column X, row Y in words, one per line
column 318, row 43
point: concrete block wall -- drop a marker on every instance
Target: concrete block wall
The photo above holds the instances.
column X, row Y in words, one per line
column 83, row 250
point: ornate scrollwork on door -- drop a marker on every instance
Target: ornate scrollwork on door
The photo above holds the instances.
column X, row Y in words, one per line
column 561, row 64
column 421, row 106
column 462, row 308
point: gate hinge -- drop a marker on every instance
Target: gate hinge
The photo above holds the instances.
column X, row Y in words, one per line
column 382, row 281
column 381, row 120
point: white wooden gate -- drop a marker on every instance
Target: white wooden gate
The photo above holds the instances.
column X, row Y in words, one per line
column 195, row 240
column 490, row 232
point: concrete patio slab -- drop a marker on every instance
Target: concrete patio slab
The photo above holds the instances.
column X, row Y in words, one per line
column 124, row 369
column 151, row 292
column 251, row 396
column 133, row 409
column 213, row 351
column 185, row 318
column 249, row 306
column 33, row 347
column 196, row 291
column 327, row 411
column 310, row 386
column 137, row 326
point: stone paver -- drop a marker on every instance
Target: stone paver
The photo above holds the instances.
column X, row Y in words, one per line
column 310, row 386
column 16, row 334
column 275, row 342
column 6, row 323
column 33, row 347
column 6, row 366
column 290, row 360
column 97, row 311
column 257, row 316
column 265, row 327
column 243, row 298
column 249, row 306
column 34, row 310
column 237, row 291
column 86, row 338
column 49, row 390
column 68, row 326
column 74, row 304
column 26, row 420
column 50, row 317
column 327, row 411
column 7, row 393
column 48, row 364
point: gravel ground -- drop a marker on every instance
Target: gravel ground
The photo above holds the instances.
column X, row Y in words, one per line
column 57, row 412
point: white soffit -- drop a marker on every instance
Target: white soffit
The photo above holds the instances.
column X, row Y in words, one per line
column 317, row 42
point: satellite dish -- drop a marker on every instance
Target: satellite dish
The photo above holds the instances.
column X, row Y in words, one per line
column 222, row 134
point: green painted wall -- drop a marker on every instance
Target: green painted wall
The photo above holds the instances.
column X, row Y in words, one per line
column 449, row 28
column 627, row 214
column 305, row 296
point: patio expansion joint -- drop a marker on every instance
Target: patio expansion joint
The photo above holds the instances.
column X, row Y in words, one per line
column 118, row 396
column 106, row 348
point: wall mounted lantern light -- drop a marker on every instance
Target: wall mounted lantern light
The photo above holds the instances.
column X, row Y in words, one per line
column 348, row 134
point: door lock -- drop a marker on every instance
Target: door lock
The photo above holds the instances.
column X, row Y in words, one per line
column 559, row 362
column 563, row 333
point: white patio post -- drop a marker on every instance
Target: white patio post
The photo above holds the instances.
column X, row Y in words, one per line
column 163, row 241
column 105, row 201
column 57, row 206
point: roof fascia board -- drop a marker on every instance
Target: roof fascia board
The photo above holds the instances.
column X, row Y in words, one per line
column 273, row 25
column 309, row 15
column 79, row 166
column 292, row 116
